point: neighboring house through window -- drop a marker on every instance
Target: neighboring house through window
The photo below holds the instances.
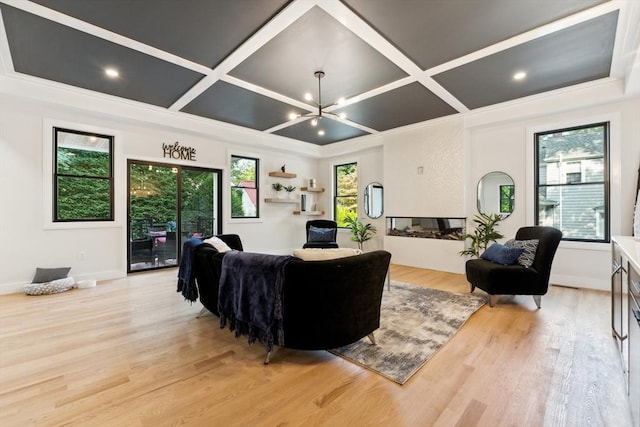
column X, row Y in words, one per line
column 572, row 181
column 244, row 187
column 345, row 192
column 82, row 176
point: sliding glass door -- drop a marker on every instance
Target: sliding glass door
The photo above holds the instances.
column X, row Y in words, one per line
column 167, row 205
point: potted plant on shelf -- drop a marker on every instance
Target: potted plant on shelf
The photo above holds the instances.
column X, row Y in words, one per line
column 289, row 189
column 484, row 234
column 360, row 232
column 277, row 187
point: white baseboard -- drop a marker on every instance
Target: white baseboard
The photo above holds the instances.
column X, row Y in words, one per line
column 18, row 287
column 581, row 282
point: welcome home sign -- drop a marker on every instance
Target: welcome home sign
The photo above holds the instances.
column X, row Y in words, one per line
column 178, row 152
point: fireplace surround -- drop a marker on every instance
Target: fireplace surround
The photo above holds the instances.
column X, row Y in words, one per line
column 426, row 227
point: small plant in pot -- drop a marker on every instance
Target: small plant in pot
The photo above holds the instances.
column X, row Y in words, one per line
column 277, row 187
column 289, row 189
column 484, row 234
column 360, row 232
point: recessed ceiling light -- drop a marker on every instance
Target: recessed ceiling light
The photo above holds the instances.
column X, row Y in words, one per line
column 293, row 116
column 520, row 75
column 308, row 96
column 343, row 115
column 321, row 132
column 314, row 122
column 341, row 100
column 111, row 72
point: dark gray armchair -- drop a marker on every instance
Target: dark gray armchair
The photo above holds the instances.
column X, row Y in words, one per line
column 321, row 233
column 497, row 279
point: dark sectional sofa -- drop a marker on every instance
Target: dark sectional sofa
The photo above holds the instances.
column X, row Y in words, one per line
column 326, row 304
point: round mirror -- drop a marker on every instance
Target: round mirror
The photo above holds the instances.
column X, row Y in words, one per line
column 496, row 194
column 373, row 199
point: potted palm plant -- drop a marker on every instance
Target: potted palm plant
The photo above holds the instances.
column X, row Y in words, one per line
column 360, row 232
column 484, row 234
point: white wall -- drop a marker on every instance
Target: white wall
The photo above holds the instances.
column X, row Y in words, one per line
column 29, row 240
column 370, row 169
column 453, row 152
column 425, row 177
column 495, row 144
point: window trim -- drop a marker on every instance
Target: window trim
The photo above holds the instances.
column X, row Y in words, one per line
column 606, row 182
column 335, row 191
column 56, row 175
column 257, row 188
column 119, row 176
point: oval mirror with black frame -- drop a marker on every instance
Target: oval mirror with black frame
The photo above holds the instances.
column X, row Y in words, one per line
column 496, row 194
column 373, row 200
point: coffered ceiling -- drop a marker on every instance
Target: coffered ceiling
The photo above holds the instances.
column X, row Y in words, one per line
column 250, row 62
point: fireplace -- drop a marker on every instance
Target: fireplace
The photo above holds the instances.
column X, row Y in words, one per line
column 426, row 227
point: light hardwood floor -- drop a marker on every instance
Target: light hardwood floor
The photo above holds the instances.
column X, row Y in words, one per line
column 131, row 352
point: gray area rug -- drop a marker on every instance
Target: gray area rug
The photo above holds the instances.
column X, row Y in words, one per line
column 415, row 322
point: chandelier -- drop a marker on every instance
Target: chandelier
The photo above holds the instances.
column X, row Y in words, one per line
column 317, row 116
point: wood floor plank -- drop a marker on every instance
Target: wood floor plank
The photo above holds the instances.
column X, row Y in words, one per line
column 131, row 352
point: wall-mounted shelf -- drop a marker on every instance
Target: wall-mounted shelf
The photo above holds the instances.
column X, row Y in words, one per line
column 312, row 189
column 282, row 174
column 276, row 200
column 309, row 213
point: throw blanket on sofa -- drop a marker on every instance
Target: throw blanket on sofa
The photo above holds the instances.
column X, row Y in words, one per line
column 186, row 278
column 250, row 295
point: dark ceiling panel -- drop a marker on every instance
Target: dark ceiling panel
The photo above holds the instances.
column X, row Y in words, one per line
column 577, row 54
column 429, row 32
column 45, row 49
column 202, row 31
column 335, row 131
column 229, row 103
column 432, row 32
column 314, row 42
column 406, row 105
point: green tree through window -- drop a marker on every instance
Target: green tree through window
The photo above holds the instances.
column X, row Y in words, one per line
column 244, row 187
column 83, row 176
column 346, row 193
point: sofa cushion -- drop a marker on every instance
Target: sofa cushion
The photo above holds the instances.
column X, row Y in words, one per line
column 316, row 254
column 217, row 243
column 501, row 254
column 317, row 234
column 529, row 247
column 48, row 274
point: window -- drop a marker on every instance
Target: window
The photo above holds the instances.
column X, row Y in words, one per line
column 346, row 192
column 244, row 187
column 572, row 181
column 82, row 176
column 506, row 198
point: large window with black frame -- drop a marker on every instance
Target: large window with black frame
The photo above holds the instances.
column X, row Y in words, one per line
column 572, row 181
column 82, row 176
column 345, row 199
column 244, row 187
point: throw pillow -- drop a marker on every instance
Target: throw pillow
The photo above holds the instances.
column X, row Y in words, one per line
column 320, row 234
column 530, row 247
column 217, row 243
column 501, row 254
column 52, row 287
column 315, row 254
column 48, row 274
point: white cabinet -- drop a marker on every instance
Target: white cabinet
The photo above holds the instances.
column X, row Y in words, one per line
column 625, row 314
